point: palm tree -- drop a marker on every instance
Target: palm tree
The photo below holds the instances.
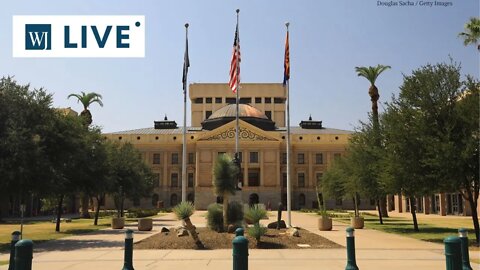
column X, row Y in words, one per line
column 472, row 32
column 87, row 99
column 371, row 74
column 224, row 173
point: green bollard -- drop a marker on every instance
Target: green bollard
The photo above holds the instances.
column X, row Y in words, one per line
column 463, row 234
column 23, row 255
column 453, row 253
column 351, row 261
column 128, row 257
column 15, row 239
column 240, row 251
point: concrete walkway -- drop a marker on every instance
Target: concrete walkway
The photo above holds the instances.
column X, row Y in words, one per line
column 375, row 250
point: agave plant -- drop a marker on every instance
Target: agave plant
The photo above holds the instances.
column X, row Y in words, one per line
column 184, row 211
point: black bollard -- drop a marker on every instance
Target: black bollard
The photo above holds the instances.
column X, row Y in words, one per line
column 23, row 255
column 240, row 251
column 463, row 234
column 351, row 260
column 128, row 257
column 15, row 239
column 279, row 214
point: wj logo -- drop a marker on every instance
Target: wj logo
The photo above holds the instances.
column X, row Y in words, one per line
column 38, row 37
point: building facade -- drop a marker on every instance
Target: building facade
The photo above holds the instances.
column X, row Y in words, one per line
column 262, row 147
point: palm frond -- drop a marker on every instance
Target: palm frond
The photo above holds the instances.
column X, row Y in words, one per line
column 371, row 73
column 224, row 173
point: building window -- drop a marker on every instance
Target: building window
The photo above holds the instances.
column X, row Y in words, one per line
column 191, row 197
column 136, row 201
column 301, row 180
column 284, row 158
column 301, row 158
column 230, row 100
column 268, row 100
column 173, row 200
column 268, row 114
column 174, row 158
column 284, row 180
column 198, row 100
column 174, row 180
column 155, row 200
column 301, row 200
column 338, row 201
column 207, row 114
column 245, row 100
column 190, row 180
column 191, row 158
column 156, row 158
column 254, row 178
column 258, row 100
column 220, row 153
column 208, row 100
column 278, row 100
column 253, row 157
column 218, row 100
column 319, row 158
column 319, row 179
column 156, row 180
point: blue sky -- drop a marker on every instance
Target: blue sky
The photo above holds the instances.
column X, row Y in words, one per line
column 327, row 40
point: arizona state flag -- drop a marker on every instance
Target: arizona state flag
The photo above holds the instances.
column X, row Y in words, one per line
column 286, row 64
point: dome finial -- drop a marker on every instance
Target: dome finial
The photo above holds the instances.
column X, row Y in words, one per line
column 165, row 118
column 310, row 118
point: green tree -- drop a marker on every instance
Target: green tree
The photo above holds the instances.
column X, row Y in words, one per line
column 472, row 32
column 25, row 115
column 131, row 177
column 371, row 74
column 87, row 99
column 224, row 173
column 431, row 135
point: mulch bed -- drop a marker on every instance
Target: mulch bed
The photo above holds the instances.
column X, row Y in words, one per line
column 273, row 239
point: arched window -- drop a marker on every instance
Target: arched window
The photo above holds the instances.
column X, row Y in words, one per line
column 154, row 200
column 301, row 200
column 191, row 197
column 173, row 200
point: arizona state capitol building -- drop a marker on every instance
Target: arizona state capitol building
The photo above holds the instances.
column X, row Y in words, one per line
column 262, row 143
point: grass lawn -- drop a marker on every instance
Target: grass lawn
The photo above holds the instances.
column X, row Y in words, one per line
column 3, row 262
column 40, row 231
column 432, row 229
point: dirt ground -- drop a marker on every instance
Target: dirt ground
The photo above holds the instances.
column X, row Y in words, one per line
column 273, row 239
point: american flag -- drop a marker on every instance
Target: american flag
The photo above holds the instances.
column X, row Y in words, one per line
column 235, row 64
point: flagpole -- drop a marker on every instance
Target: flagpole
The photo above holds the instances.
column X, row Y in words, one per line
column 289, row 183
column 237, row 128
column 184, row 148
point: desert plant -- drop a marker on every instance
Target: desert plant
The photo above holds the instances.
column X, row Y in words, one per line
column 224, row 173
column 257, row 231
column 215, row 217
column 184, row 211
column 255, row 213
column 235, row 213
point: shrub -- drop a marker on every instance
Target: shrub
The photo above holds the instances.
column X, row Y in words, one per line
column 215, row 217
column 257, row 231
column 183, row 210
column 234, row 213
column 255, row 213
column 102, row 214
column 140, row 213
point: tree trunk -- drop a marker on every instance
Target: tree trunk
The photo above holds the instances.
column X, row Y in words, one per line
column 355, row 199
column 473, row 205
column 379, row 212
column 383, row 206
column 59, row 213
column 225, row 208
column 193, row 233
column 97, row 210
column 84, row 211
column 414, row 213
column 122, row 201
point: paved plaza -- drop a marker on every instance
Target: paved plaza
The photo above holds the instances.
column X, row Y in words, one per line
column 374, row 249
